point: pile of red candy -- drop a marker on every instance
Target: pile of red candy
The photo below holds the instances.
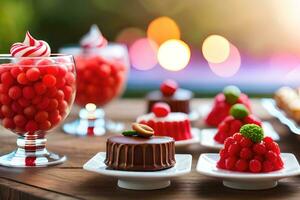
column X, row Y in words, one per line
column 98, row 80
column 248, row 151
column 35, row 95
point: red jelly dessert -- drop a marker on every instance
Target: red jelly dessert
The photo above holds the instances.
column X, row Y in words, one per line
column 239, row 116
column 223, row 102
column 165, row 123
column 170, row 93
column 99, row 79
column 249, row 151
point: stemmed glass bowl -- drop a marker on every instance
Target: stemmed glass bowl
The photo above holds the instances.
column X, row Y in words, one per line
column 101, row 77
column 36, row 95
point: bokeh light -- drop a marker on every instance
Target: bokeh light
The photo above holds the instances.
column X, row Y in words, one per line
column 215, row 49
column 162, row 29
column 143, row 54
column 174, row 55
column 129, row 35
column 230, row 66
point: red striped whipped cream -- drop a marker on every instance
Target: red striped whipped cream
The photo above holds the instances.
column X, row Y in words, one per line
column 93, row 39
column 30, row 48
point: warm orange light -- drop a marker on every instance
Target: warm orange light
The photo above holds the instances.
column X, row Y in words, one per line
column 162, row 29
column 129, row 35
column 174, row 55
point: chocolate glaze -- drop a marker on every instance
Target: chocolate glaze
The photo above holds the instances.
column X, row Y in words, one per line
column 179, row 102
column 140, row 154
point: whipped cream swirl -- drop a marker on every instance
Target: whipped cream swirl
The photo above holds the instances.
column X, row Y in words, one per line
column 93, row 39
column 30, row 48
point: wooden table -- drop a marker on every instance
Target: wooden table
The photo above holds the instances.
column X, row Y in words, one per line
column 70, row 181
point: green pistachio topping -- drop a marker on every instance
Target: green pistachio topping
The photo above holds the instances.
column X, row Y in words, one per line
column 253, row 132
column 232, row 94
column 239, row 111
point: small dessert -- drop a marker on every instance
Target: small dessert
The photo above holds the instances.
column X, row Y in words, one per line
column 288, row 100
column 139, row 150
column 166, row 123
column 177, row 98
column 249, row 151
column 239, row 116
column 223, row 102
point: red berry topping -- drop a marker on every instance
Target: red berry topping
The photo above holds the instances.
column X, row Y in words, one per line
column 246, row 153
column 241, row 165
column 259, row 148
column 168, row 87
column 255, row 166
column 230, row 163
column 161, row 109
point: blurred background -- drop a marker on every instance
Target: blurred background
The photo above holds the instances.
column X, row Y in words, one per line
column 204, row 45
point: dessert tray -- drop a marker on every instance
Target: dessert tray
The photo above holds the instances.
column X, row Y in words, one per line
column 139, row 180
column 194, row 140
column 247, row 181
column 270, row 106
column 206, row 136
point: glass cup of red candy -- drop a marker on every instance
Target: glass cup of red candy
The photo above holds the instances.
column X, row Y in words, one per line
column 36, row 94
column 101, row 77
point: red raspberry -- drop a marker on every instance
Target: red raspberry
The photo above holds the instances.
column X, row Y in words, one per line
column 251, row 119
column 234, row 149
column 168, row 87
column 271, row 156
column 237, row 137
column 228, row 142
column 223, row 127
column 49, row 80
column 221, row 164
column 246, row 142
column 255, row 166
column 279, row 164
column 268, row 140
column 246, row 153
column 259, row 148
column 14, row 92
column 33, row 74
column 273, row 147
column 235, row 126
column 230, row 163
column 241, row 165
column 161, row 109
column 268, row 166
column 223, row 153
column 259, row 157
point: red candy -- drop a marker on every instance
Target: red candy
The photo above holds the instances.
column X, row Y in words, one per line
column 240, row 154
column 98, row 80
column 161, row 109
column 168, row 87
column 31, row 99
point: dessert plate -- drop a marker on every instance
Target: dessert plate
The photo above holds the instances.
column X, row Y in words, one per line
column 194, row 140
column 247, row 181
column 139, row 180
column 207, row 136
column 270, row 106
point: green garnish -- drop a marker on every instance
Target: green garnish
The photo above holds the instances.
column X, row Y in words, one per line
column 239, row 111
column 232, row 94
column 253, row 132
column 129, row 133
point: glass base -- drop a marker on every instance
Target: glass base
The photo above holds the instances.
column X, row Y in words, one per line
column 92, row 123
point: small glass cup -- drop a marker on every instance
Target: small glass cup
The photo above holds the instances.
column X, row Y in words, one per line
column 101, row 77
column 36, row 94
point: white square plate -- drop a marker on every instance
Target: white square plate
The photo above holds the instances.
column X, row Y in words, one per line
column 270, row 106
column 207, row 136
column 247, row 181
column 140, row 180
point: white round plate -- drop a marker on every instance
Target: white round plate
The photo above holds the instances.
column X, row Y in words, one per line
column 270, row 106
column 194, row 140
column 140, row 180
column 207, row 136
column 247, row 181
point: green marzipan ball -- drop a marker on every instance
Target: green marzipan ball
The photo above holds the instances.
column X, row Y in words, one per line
column 253, row 132
column 129, row 133
column 239, row 111
column 231, row 93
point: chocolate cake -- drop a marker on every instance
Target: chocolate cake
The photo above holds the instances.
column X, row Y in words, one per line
column 135, row 153
column 178, row 102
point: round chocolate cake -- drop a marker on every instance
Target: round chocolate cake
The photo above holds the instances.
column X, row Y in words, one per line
column 178, row 102
column 140, row 154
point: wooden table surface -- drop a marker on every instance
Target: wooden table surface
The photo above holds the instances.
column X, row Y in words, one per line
column 70, row 181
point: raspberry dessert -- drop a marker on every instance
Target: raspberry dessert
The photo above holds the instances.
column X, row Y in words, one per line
column 101, row 76
column 36, row 92
column 170, row 93
column 223, row 102
column 239, row 116
column 249, row 151
column 165, row 123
